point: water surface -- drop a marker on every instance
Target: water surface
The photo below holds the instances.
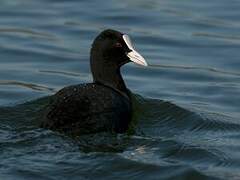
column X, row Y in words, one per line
column 187, row 100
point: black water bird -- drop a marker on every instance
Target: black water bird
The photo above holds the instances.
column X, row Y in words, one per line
column 103, row 105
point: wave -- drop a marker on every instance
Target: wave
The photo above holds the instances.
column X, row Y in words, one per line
column 165, row 136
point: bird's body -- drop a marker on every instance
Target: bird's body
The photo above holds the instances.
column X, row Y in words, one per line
column 105, row 104
column 99, row 108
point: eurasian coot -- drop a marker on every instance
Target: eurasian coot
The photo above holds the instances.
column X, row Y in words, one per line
column 103, row 105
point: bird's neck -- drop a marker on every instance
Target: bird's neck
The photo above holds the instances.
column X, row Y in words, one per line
column 109, row 76
column 106, row 71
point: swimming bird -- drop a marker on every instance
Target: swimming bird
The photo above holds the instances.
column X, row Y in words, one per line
column 103, row 105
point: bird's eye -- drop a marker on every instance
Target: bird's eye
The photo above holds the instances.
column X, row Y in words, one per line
column 118, row 45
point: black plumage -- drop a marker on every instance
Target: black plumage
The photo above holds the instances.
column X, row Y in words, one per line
column 105, row 104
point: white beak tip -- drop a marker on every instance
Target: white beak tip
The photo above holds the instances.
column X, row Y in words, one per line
column 135, row 57
column 142, row 63
column 145, row 64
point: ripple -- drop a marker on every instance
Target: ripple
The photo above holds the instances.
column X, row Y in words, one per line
column 28, row 32
column 231, row 38
column 64, row 73
column 215, row 70
column 31, row 86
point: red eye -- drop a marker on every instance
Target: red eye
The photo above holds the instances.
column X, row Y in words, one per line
column 118, row 45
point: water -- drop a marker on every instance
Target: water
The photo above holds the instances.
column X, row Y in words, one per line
column 187, row 122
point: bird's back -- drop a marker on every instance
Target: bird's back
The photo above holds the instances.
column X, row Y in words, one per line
column 88, row 108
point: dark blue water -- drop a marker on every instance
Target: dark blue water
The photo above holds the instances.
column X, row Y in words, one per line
column 187, row 107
